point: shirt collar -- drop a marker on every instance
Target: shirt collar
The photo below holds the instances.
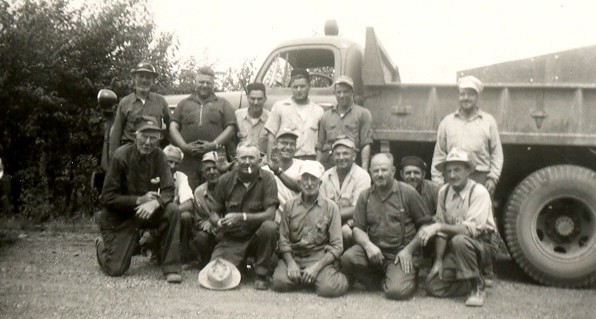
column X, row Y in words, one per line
column 259, row 176
column 478, row 114
column 318, row 201
column 195, row 97
column 137, row 97
column 262, row 118
column 394, row 187
column 465, row 191
column 336, row 109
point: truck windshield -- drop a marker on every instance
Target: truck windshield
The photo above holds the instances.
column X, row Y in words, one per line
column 319, row 62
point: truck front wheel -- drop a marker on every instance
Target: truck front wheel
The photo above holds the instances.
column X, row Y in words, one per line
column 550, row 226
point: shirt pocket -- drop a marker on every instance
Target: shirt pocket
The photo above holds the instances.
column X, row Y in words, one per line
column 321, row 230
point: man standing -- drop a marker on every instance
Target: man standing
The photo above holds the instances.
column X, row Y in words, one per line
column 310, row 240
column 251, row 121
column 138, row 193
column 133, row 106
column 463, row 229
column 473, row 131
column 385, row 222
column 201, row 123
column 347, row 119
column 244, row 205
column 298, row 114
column 413, row 172
column 343, row 183
column 286, row 168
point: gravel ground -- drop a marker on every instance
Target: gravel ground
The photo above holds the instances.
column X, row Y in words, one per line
column 55, row 275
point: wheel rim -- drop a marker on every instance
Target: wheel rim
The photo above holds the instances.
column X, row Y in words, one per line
column 564, row 228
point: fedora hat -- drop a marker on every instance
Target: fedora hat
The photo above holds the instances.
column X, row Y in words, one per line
column 219, row 274
column 457, row 155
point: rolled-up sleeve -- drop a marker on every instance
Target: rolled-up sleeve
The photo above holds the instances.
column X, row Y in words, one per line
column 270, row 197
column 496, row 152
column 366, row 129
column 360, row 211
column 479, row 211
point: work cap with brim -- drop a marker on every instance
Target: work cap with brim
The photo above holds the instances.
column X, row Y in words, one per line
column 148, row 123
column 219, row 274
column 313, row 168
column 413, row 161
column 210, row 157
column 298, row 71
column 456, row 155
column 287, row 131
column 145, row 67
column 345, row 141
column 344, row 79
column 470, row 82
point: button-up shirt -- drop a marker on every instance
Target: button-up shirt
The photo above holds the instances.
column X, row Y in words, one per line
column 252, row 130
column 477, row 135
column 304, row 119
column 131, row 175
column 391, row 221
column 203, row 201
column 345, row 195
column 131, row 107
column 231, row 195
column 183, row 191
column 429, row 191
column 203, row 119
column 469, row 207
column 306, row 229
column 356, row 124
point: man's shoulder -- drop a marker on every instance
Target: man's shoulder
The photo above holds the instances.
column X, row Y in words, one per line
column 240, row 113
column 359, row 171
column 360, row 110
column 123, row 152
column 128, row 99
column 156, row 96
column 326, row 177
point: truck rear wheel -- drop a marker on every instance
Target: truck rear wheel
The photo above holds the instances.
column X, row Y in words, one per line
column 550, row 225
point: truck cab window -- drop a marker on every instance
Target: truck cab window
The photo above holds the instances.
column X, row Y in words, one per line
column 319, row 62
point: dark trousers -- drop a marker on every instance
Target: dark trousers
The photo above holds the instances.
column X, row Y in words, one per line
column 464, row 258
column 195, row 244
column 330, row 282
column 5, row 196
column 396, row 284
column 262, row 245
column 121, row 240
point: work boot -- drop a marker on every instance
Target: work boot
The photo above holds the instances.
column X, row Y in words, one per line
column 476, row 298
column 261, row 283
column 173, row 278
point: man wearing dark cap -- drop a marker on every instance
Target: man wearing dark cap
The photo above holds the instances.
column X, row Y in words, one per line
column 413, row 172
column 200, row 124
column 140, row 102
column 297, row 113
column 251, row 121
column 348, row 119
column 138, row 192
column 344, row 182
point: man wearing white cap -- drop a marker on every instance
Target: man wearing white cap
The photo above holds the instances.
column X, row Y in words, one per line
column 463, row 229
column 141, row 102
column 344, row 182
column 474, row 131
column 285, row 167
column 346, row 119
column 310, row 240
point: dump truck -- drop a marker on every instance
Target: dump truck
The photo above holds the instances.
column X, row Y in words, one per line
column 545, row 202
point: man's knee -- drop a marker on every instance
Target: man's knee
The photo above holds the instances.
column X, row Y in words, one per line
column 351, row 258
column 333, row 286
column 268, row 229
column 460, row 242
column 404, row 290
column 346, row 233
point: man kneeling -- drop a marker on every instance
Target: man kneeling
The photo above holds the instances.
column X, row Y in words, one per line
column 310, row 239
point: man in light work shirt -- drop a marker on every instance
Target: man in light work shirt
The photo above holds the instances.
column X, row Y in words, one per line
column 310, row 240
column 251, row 121
column 471, row 130
column 297, row 113
column 343, row 183
column 286, row 168
column 386, row 219
column 346, row 119
column 413, row 172
column 463, row 229
column 201, row 123
column 141, row 102
column 244, row 206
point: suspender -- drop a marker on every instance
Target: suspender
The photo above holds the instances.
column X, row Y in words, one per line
column 447, row 191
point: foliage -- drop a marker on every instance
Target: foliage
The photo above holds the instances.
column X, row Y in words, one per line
column 54, row 58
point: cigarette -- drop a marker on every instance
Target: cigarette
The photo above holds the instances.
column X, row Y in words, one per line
column 158, row 190
column 249, row 170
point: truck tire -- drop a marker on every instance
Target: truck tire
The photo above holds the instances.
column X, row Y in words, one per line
column 550, row 226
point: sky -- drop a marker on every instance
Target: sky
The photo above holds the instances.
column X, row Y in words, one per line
column 429, row 40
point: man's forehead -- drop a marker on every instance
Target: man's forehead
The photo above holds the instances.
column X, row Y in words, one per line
column 173, row 157
column 409, row 168
column 300, row 81
column 248, row 150
column 204, row 78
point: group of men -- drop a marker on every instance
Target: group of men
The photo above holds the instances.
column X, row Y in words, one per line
column 302, row 201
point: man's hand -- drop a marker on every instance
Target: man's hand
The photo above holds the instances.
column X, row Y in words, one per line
column 310, row 273
column 427, row 232
column 149, row 196
column 404, row 257
column 232, row 219
column 490, row 185
column 437, row 269
column 294, row 271
column 146, row 210
column 374, row 254
column 273, row 165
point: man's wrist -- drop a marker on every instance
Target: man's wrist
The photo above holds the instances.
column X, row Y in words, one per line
column 278, row 171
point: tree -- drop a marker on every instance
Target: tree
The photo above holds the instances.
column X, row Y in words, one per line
column 54, row 58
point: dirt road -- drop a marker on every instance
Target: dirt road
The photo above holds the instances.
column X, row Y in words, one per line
column 55, row 275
